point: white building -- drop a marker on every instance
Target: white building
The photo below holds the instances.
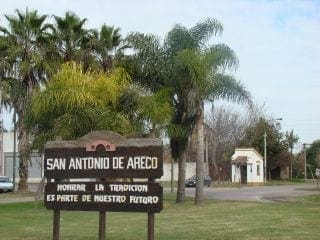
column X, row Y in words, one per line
column 7, row 160
column 247, row 166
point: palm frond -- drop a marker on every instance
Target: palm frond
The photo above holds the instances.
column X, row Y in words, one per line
column 221, row 56
column 228, row 88
column 205, row 29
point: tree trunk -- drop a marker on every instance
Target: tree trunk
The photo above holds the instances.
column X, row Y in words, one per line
column 24, row 158
column 172, row 174
column 181, row 177
column 200, row 158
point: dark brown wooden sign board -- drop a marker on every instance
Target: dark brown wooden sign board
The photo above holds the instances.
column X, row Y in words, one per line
column 98, row 196
column 103, row 155
column 121, row 158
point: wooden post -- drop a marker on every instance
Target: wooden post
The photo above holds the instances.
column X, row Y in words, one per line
column 56, row 220
column 102, row 225
column 150, row 220
column 150, row 226
column 56, row 225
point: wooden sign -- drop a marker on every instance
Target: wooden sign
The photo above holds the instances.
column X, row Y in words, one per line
column 103, row 155
column 125, row 158
column 98, row 196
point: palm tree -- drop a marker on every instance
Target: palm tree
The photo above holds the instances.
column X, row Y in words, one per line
column 23, row 46
column 70, row 35
column 200, row 73
column 194, row 71
column 76, row 102
column 291, row 140
column 108, row 41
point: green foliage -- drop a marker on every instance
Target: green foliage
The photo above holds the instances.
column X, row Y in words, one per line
column 76, row 102
column 313, row 156
column 156, row 111
column 69, row 34
column 193, row 71
column 291, row 139
column 276, row 144
column 23, row 47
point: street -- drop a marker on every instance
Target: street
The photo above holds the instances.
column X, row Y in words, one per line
column 257, row 194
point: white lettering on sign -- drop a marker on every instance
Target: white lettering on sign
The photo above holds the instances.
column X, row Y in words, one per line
column 98, row 187
column 128, row 188
column 51, row 198
column 144, row 200
column 117, row 163
column 86, row 198
column 142, row 162
column 89, row 163
column 56, row 163
column 71, row 187
column 109, row 198
column 66, row 198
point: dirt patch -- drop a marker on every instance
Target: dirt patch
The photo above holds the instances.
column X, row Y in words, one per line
column 17, row 197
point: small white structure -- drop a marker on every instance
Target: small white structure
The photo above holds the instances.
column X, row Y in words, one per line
column 247, row 166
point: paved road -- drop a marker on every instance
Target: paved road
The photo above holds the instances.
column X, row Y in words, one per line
column 257, row 194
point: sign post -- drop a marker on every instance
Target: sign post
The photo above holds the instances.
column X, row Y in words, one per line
column 56, row 224
column 102, row 225
column 103, row 156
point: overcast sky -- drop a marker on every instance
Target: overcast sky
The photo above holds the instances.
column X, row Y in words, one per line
column 277, row 43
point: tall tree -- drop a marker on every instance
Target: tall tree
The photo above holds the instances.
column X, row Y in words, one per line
column 313, row 156
column 70, row 36
column 277, row 150
column 199, row 70
column 194, row 72
column 108, row 40
column 291, row 140
column 23, row 45
column 226, row 129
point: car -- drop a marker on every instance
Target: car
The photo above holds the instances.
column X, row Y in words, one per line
column 5, row 184
column 191, row 182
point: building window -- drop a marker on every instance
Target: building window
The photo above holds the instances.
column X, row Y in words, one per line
column 258, row 170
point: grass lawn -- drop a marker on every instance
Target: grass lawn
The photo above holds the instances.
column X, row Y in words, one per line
column 296, row 219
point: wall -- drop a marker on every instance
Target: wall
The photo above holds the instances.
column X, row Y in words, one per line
column 35, row 167
column 235, row 174
column 252, row 172
column 190, row 171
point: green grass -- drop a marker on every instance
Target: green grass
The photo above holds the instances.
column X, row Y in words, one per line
column 296, row 219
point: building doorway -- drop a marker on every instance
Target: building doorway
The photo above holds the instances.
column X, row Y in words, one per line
column 243, row 170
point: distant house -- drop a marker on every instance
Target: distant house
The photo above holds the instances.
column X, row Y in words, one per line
column 247, row 166
column 7, row 158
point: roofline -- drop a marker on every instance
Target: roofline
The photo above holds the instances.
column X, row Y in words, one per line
column 249, row 149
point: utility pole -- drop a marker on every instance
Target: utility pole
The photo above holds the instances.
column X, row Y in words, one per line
column 305, row 161
column 291, row 162
column 265, row 156
column 14, row 150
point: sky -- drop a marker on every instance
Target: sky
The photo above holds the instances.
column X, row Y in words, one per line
column 277, row 43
